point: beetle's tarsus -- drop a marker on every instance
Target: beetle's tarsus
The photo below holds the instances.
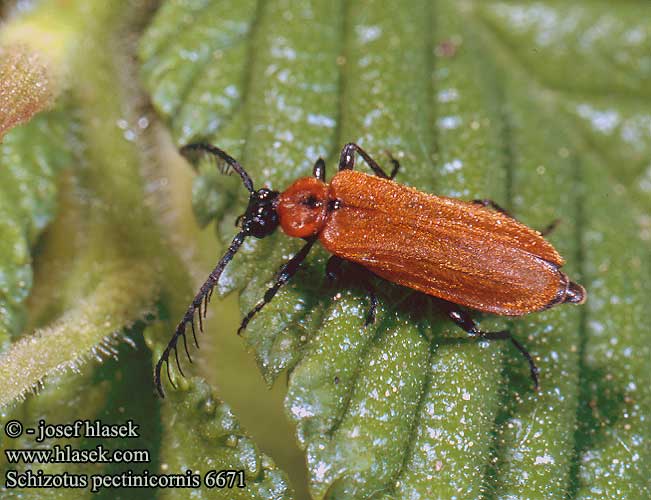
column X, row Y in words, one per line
column 333, row 268
column 506, row 335
column 485, row 202
column 395, row 162
column 547, row 230
column 464, row 321
column 371, row 314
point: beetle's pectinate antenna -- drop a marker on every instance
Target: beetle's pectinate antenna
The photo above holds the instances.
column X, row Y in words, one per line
column 203, row 297
column 259, row 220
column 201, row 148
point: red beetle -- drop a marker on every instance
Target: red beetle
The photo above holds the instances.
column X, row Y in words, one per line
column 460, row 252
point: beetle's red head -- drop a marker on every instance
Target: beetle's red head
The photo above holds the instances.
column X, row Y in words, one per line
column 302, row 207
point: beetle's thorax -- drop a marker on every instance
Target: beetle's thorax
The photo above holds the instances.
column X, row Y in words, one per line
column 303, row 207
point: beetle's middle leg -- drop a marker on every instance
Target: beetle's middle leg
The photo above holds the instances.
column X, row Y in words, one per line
column 334, row 272
column 463, row 320
column 347, row 161
column 490, row 203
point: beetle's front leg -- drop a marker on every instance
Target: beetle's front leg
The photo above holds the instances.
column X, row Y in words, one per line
column 463, row 320
column 334, row 273
column 285, row 273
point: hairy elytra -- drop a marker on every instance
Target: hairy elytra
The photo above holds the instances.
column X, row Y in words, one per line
column 454, row 250
column 463, row 253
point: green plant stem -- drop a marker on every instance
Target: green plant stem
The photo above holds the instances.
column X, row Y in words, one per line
column 114, row 275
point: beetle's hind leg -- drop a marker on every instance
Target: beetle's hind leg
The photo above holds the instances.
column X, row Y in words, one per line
column 490, row 203
column 334, row 273
column 347, row 161
column 463, row 320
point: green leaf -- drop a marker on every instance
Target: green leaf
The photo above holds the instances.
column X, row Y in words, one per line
column 510, row 101
column 93, row 392
column 31, row 158
column 204, row 435
column 538, row 105
column 107, row 280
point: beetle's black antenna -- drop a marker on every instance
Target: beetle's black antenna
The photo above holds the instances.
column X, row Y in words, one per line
column 203, row 297
column 202, row 147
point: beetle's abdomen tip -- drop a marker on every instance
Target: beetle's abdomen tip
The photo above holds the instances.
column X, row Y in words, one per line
column 575, row 294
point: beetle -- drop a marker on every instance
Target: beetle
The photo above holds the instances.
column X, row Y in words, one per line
column 464, row 253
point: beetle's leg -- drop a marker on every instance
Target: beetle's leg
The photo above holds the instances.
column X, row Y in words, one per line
column 347, row 161
column 334, row 272
column 286, row 271
column 463, row 320
column 490, row 203
column 319, row 170
column 333, row 268
column 394, row 162
column 370, row 315
column 550, row 227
